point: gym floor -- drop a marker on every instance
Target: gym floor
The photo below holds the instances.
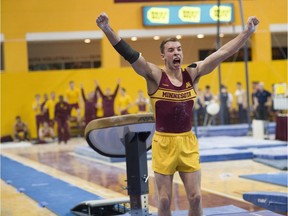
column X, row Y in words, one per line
column 221, row 184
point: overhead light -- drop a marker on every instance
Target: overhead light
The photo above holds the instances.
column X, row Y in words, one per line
column 87, row 41
column 178, row 37
column 156, row 37
column 200, row 36
column 134, row 38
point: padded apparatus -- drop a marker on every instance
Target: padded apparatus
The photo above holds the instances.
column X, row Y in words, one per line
column 126, row 51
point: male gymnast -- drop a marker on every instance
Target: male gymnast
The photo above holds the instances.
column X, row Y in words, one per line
column 173, row 92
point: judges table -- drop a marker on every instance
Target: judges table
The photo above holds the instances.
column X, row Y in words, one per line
column 127, row 136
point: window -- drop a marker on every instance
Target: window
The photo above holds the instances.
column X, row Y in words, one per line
column 279, row 45
column 63, row 55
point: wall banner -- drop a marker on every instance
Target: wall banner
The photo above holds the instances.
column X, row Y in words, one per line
column 186, row 14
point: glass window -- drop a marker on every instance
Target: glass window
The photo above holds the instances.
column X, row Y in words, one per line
column 63, row 55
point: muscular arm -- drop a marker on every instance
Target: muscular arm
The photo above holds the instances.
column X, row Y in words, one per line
column 212, row 61
column 140, row 65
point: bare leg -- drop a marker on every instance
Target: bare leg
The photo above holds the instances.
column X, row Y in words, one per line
column 192, row 183
column 164, row 190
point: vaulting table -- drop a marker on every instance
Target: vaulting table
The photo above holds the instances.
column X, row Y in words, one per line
column 127, row 136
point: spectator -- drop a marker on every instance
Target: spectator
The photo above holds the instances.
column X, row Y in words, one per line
column 44, row 112
column 73, row 99
column 50, row 107
column 62, row 114
column 142, row 102
column 225, row 99
column 200, row 106
column 36, row 106
column 108, row 100
column 208, row 98
column 99, row 106
column 46, row 133
column 241, row 100
column 262, row 101
column 21, row 131
column 90, row 105
column 124, row 102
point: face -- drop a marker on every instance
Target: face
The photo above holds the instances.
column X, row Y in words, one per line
column 173, row 55
column 71, row 85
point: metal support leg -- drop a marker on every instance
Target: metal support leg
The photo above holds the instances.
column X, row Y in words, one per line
column 137, row 172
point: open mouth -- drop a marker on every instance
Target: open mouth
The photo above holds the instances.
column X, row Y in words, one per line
column 176, row 61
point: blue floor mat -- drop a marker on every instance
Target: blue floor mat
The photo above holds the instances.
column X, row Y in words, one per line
column 211, row 155
column 56, row 195
column 273, row 178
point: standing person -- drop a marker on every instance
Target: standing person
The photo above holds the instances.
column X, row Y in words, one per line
column 73, row 99
column 200, row 107
column 142, row 102
column 90, row 105
column 108, row 100
column 124, row 102
column 253, row 94
column 241, row 100
column 21, row 130
column 50, row 108
column 262, row 101
column 36, row 106
column 44, row 111
column 172, row 92
column 62, row 114
column 225, row 99
column 208, row 97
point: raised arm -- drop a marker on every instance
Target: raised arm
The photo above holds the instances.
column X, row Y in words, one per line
column 137, row 61
column 212, row 61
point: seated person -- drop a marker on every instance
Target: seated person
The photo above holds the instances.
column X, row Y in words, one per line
column 21, row 131
column 46, row 133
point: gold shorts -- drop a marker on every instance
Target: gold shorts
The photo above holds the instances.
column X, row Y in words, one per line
column 173, row 152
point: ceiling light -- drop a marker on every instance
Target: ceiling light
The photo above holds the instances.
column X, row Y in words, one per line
column 134, row 38
column 200, row 36
column 221, row 35
column 178, row 37
column 87, row 41
column 156, row 37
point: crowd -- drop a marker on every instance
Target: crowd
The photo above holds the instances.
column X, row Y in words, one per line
column 261, row 107
column 54, row 117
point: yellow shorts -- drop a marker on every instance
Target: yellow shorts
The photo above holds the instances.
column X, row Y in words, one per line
column 173, row 152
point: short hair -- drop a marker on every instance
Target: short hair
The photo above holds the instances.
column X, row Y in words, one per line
column 239, row 83
column 173, row 39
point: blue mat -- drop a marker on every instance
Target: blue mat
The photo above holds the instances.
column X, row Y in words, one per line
column 229, row 130
column 211, row 155
column 275, row 153
column 278, row 164
column 273, row 201
column 52, row 193
column 273, row 178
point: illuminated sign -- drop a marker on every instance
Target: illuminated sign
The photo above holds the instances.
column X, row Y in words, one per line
column 187, row 14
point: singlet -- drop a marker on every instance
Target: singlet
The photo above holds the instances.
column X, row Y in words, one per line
column 173, row 105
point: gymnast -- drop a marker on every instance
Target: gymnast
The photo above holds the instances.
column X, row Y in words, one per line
column 173, row 93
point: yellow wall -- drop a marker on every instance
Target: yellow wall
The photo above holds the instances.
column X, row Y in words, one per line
column 18, row 86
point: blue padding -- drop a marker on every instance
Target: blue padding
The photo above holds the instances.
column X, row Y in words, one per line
column 220, row 210
column 278, row 164
column 52, row 193
column 237, row 143
column 273, row 178
column 229, row 130
column 273, row 201
column 276, row 153
column 211, row 155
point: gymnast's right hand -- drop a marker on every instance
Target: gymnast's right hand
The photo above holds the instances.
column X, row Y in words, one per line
column 102, row 21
